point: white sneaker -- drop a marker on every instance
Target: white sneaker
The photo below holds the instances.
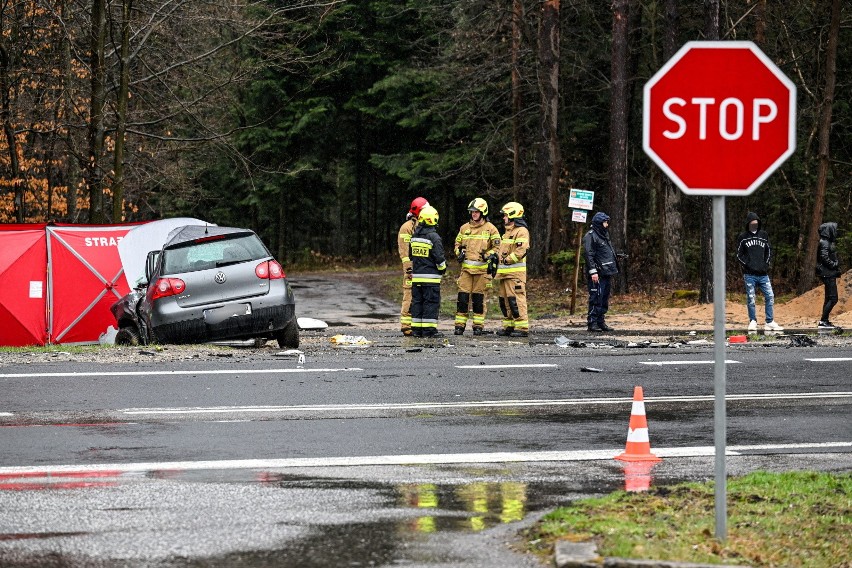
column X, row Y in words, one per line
column 772, row 326
column 752, row 326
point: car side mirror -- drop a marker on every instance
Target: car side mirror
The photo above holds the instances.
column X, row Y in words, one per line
column 151, row 264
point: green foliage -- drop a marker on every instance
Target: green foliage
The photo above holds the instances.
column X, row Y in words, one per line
column 563, row 262
column 787, row 519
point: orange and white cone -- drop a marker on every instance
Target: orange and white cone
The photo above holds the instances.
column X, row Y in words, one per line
column 638, row 445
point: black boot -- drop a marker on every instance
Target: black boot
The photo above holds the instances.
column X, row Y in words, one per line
column 605, row 327
column 459, row 331
column 477, row 331
column 506, row 331
column 595, row 327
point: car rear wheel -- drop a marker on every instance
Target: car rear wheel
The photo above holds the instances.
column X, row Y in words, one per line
column 288, row 338
column 127, row 336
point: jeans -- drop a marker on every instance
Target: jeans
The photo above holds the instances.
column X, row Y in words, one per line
column 751, row 283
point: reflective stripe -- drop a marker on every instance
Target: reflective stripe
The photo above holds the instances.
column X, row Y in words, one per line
column 508, row 268
column 405, row 259
column 474, row 264
column 426, row 279
column 406, row 238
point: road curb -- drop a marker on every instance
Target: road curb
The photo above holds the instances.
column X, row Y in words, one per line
column 585, row 555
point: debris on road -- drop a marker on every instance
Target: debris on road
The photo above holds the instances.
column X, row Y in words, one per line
column 350, row 340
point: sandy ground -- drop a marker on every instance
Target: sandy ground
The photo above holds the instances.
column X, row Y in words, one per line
column 801, row 313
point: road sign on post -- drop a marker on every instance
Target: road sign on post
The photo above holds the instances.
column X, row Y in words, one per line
column 584, row 201
column 719, row 118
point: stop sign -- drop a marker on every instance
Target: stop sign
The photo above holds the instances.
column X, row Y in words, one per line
column 719, row 118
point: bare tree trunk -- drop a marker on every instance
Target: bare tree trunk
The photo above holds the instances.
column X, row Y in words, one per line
column 93, row 173
column 72, row 164
column 543, row 196
column 121, row 118
column 674, row 265
column 806, row 276
column 8, row 62
column 705, row 292
column 618, row 133
column 760, row 23
column 517, row 18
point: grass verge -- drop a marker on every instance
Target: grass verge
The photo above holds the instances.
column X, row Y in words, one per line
column 796, row 519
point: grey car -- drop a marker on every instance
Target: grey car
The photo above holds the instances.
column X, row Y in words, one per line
column 209, row 283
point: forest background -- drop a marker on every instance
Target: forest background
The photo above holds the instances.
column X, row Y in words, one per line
column 316, row 122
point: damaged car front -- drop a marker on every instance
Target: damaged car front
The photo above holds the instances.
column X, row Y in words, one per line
column 209, row 283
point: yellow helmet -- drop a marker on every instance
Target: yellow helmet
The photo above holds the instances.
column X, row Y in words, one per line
column 478, row 204
column 513, row 210
column 428, row 216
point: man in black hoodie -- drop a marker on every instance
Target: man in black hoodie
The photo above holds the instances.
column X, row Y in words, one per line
column 828, row 268
column 755, row 256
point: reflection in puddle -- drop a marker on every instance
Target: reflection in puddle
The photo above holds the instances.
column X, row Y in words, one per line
column 484, row 504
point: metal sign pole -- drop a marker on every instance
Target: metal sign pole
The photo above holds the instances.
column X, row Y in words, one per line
column 719, row 417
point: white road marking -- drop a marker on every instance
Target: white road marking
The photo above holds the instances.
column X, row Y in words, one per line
column 6, row 414
column 472, row 404
column 829, row 359
column 404, row 460
column 526, row 366
column 660, row 363
column 159, row 373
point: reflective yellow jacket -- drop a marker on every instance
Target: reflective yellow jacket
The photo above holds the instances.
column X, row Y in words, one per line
column 479, row 240
column 403, row 240
column 513, row 251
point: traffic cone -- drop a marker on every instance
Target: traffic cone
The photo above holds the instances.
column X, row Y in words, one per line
column 638, row 445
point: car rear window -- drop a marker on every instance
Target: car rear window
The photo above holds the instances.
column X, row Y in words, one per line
column 193, row 256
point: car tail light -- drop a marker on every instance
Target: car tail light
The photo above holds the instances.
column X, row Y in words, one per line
column 269, row 270
column 168, row 287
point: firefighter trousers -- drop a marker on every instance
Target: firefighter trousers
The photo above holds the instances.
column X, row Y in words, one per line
column 425, row 304
column 513, row 302
column 471, row 298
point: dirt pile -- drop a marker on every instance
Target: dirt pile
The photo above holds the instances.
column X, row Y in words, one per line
column 802, row 312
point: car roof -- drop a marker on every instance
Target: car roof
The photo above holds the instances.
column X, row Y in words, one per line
column 194, row 232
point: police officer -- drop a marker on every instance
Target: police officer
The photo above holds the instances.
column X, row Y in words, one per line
column 427, row 257
column 511, row 276
column 403, row 240
column 476, row 241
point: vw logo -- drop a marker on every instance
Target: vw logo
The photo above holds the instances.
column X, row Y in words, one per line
column 220, row 278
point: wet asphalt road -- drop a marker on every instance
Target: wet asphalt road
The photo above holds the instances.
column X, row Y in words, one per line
column 196, row 462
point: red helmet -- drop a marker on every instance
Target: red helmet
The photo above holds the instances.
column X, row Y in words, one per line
column 418, row 204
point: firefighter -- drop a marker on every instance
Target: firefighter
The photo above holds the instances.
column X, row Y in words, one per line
column 512, row 271
column 427, row 257
column 477, row 240
column 403, row 239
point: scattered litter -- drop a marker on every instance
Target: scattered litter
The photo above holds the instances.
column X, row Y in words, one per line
column 801, row 340
column 693, row 332
column 147, row 352
column 591, row 370
column 356, row 340
column 56, row 353
column 698, row 342
column 414, row 350
column 738, row 339
column 564, row 342
column 256, row 342
column 223, row 354
column 311, row 323
column 561, row 341
column 289, row 353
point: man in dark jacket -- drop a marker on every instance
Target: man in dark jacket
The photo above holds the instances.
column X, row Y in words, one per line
column 601, row 266
column 429, row 265
column 828, row 268
column 755, row 256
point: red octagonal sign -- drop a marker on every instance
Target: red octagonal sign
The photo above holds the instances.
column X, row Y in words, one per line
column 719, row 118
